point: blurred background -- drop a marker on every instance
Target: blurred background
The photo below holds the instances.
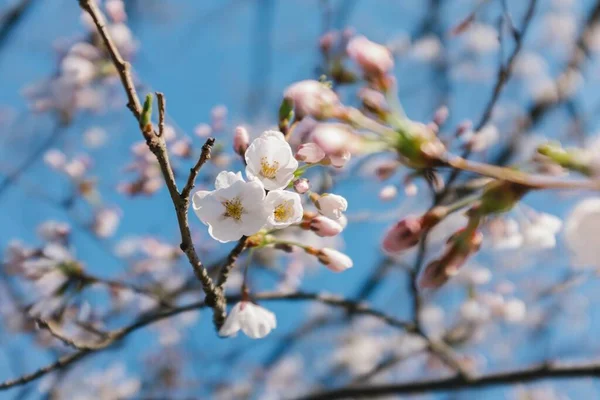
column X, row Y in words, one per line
column 68, row 163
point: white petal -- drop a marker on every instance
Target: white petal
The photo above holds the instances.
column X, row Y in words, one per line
column 273, row 134
column 275, row 198
column 227, row 178
column 207, row 206
column 257, row 322
column 232, row 322
column 227, row 230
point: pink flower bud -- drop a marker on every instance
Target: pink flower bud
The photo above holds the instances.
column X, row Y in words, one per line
column 403, row 235
column 331, row 137
column 241, row 140
column 460, row 247
column 386, row 169
column 339, row 161
column 301, row 185
column 464, row 127
column 312, row 98
column 373, row 100
column 327, row 41
column 373, row 58
column 324, row 226
column 331, row 205
column 310, row 153
column 334, row 260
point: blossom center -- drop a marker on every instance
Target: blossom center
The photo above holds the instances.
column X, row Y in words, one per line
column 233, row 208
column 267, row 169
column 284, row 211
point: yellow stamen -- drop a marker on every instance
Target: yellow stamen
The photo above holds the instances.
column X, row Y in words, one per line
column 267, row 169
column 233, row 208
column 284, row 211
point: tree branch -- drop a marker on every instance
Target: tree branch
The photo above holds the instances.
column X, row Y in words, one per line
column 144, row 320
column 531, row 374
column 157, row 145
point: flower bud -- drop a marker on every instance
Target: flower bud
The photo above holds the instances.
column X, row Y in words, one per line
column 333, row 138
column 146, row 116
column 460, row 247
column 310, row 153
column 339, row 161
column 499, row 197
column 373, row 100
column 572, row 159
column 403, row 235
column 325, row 227
column 374, row 59
column 386, row 169
column 301, row 185
column 312, row 98
column 327, row 41
column 334, row 260
column 464, row 127
column 330, row 205
column 241, row 140
column 418, row 146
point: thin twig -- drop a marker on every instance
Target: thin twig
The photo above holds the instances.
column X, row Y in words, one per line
column 504, row 73
column 55, row 331
column 204, row 157
column 230, row 262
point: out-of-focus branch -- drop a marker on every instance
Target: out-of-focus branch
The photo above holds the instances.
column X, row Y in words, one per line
column 563, row 83
column 56, row 332
column 10, row 18
column 504, row 73
column 531, row 374
column 115, row 336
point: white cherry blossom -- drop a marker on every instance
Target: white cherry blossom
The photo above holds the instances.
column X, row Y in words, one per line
column 582, row 233
column 255, row 321
column 285, row 208
column 234, row 209
column 269, row 159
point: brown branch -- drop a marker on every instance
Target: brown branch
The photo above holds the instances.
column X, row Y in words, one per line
column 531, row 374
column 116, row 335
column 157, row 146
column 230, row 262
column 55, row 331
column 204, row 157
column 504, row 74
